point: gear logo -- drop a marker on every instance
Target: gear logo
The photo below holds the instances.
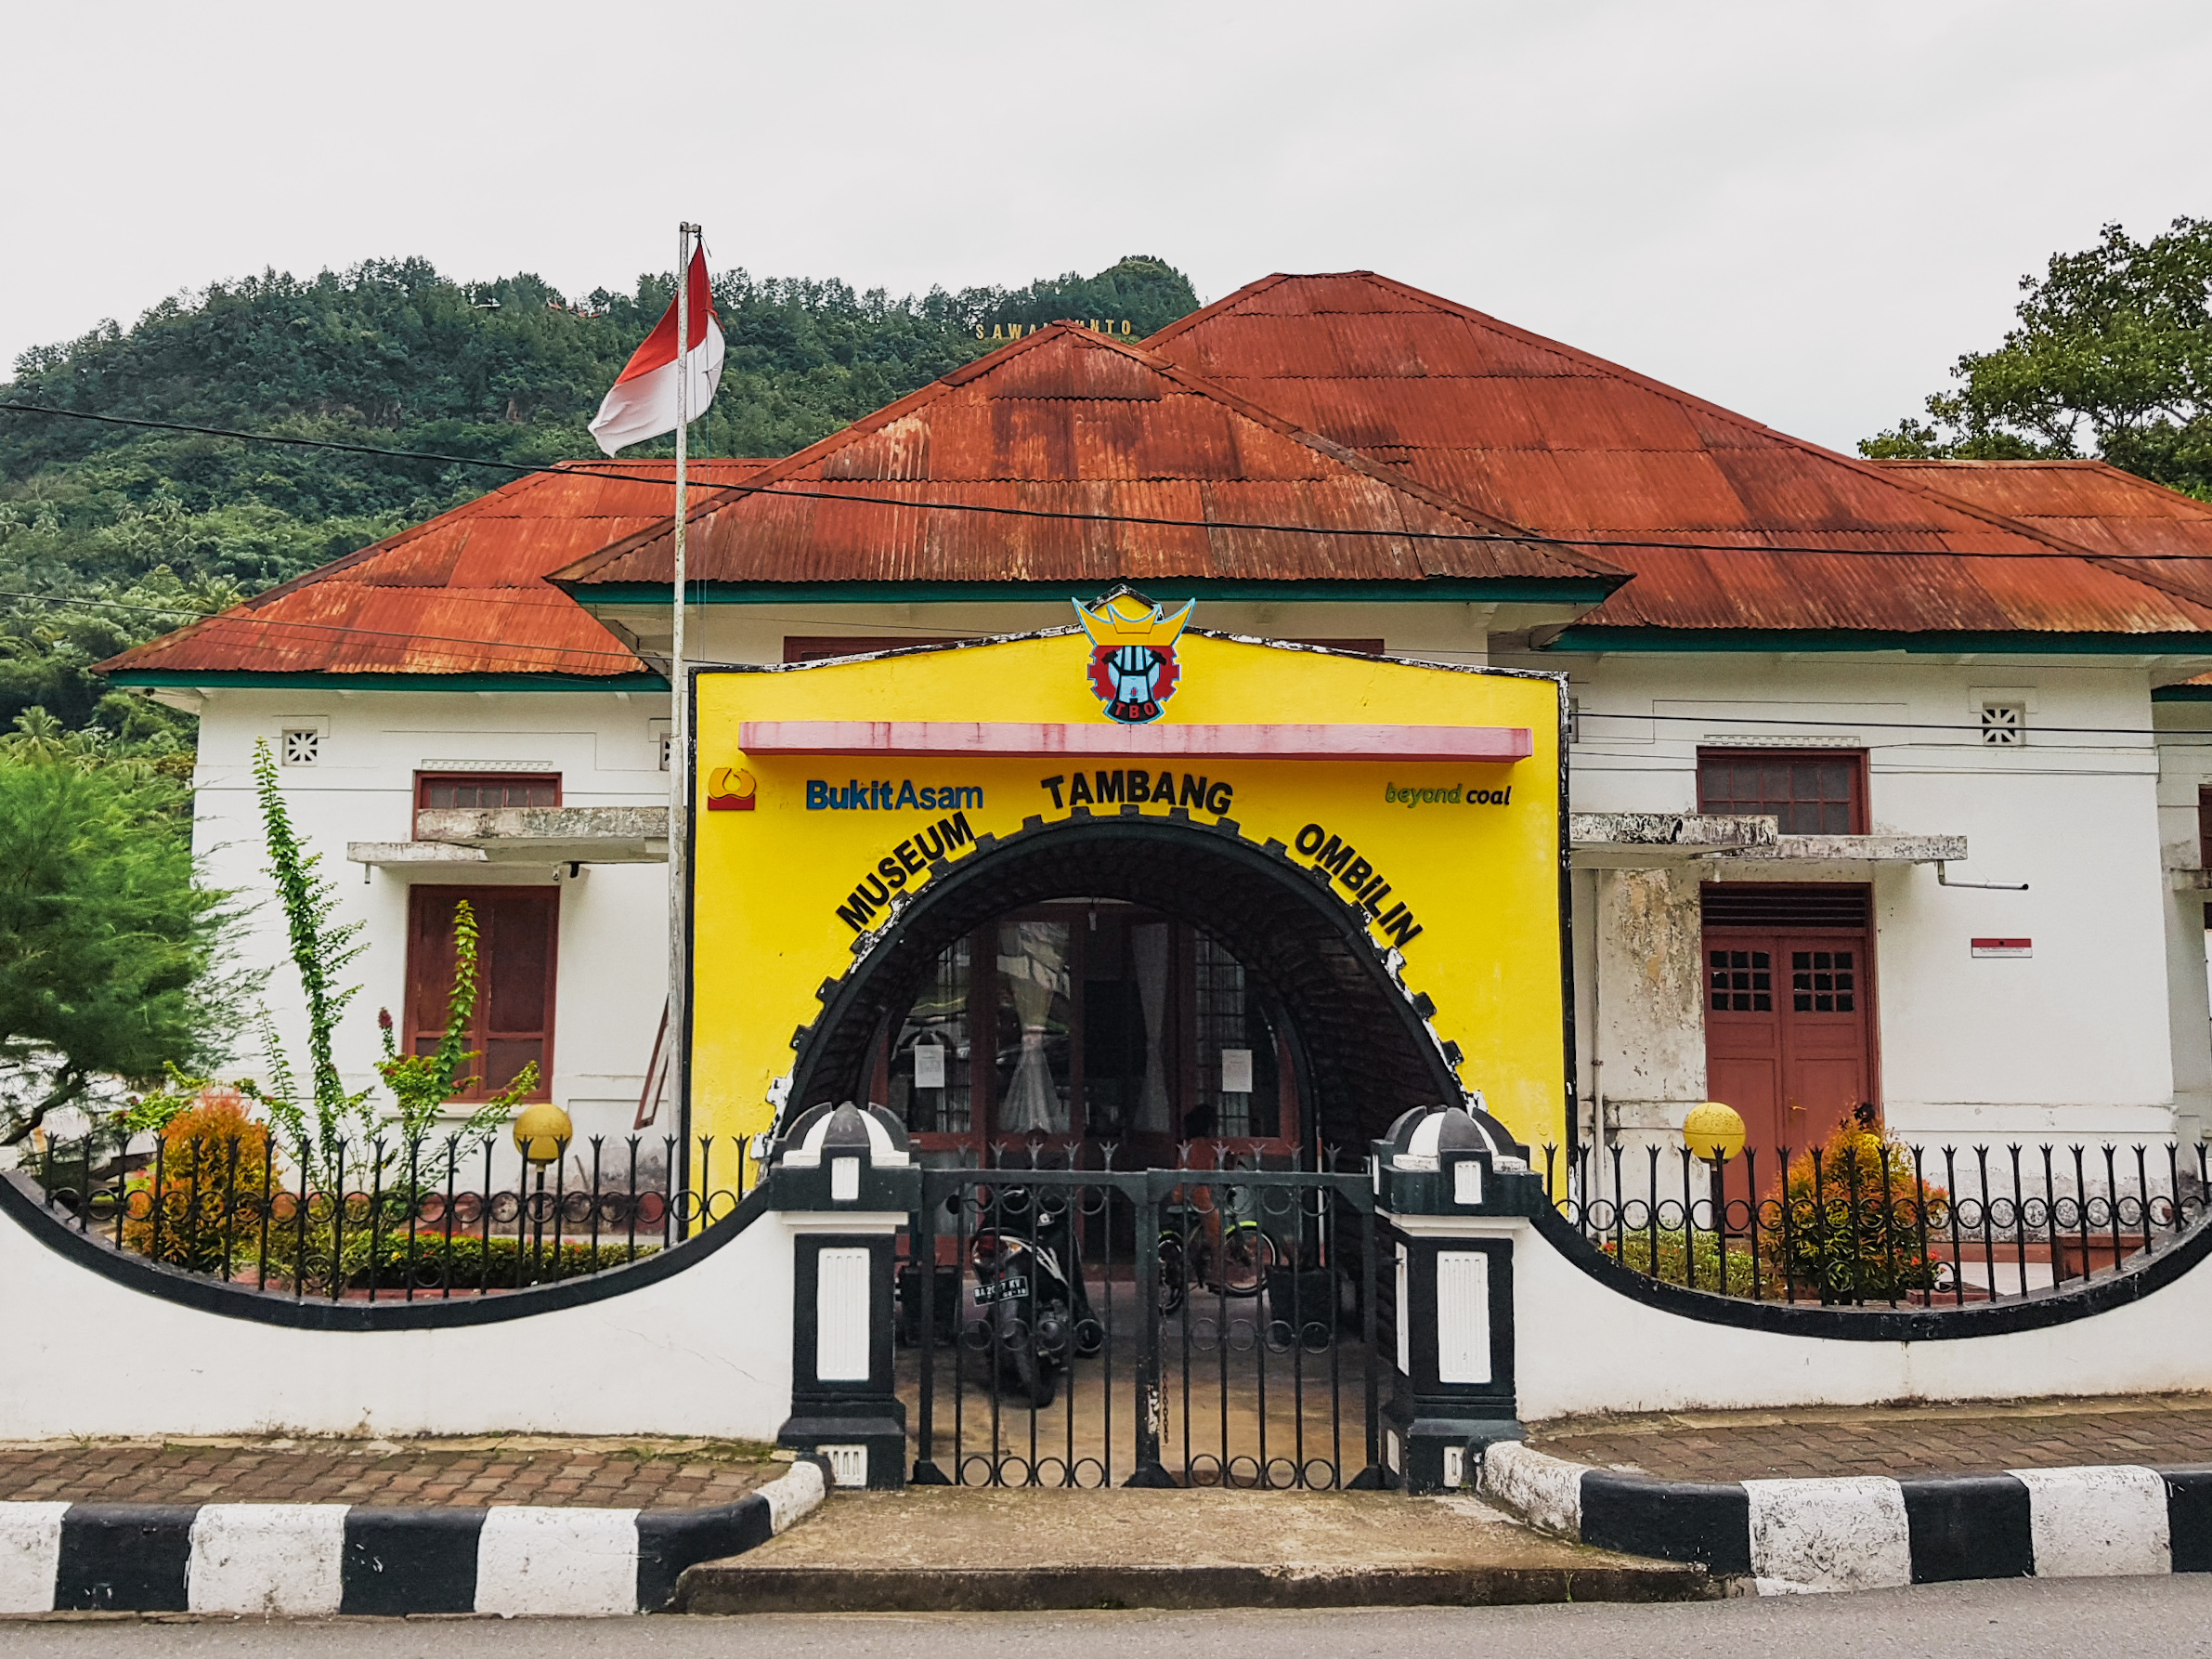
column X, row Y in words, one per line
column 1133, row 665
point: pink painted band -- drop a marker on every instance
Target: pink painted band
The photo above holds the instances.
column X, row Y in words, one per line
column 980, row 740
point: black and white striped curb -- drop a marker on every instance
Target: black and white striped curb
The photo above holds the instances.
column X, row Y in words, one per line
column 308, row 1560
column 1867, row 1531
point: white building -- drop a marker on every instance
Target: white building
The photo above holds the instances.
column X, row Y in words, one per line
column 1886, row 777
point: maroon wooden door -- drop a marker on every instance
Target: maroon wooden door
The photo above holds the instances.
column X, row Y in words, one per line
column 1788, row 1027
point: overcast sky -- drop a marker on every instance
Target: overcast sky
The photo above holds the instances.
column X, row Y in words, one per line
column 1802, row 210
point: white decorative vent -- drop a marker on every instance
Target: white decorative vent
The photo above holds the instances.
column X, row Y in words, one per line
column 847, row 1465
column 2004, row 726
column 665, row 741
column 302, row 746
column 1574, row 720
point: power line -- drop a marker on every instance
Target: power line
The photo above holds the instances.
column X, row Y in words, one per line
column 1537, row 537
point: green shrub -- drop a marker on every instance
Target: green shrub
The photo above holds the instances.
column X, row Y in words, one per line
column 1701, row 1266
column 492, row 1263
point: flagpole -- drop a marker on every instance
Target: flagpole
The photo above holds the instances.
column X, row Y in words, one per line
column 680, row 731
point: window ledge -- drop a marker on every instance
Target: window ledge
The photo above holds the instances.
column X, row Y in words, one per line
column 1860, row 849
column 1646, row 841
column 409, row 851
column 1683, row 833
column 549, row 834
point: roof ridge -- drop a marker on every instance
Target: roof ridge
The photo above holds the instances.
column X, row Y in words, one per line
column 1188, row 380
column 1661, row 388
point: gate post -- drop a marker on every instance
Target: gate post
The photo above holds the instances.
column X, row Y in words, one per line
column 1453, row 1189
column 844, row 1184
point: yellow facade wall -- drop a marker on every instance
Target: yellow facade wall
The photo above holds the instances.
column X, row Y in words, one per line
column 1481, row 876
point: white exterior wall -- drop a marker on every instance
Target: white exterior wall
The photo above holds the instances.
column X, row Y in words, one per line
column 2075, row 1041
column 2085, row 1037
column 613, row 970
column 613, row 964
column 2185, row 766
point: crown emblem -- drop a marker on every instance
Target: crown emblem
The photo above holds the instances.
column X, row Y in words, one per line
column 1133, row 665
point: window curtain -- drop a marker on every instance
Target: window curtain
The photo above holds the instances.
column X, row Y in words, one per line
column 1148, row 947
column 1033, row 957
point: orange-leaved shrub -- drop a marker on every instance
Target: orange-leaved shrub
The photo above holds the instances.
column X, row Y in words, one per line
column 198, row 1204
column 1851, row 1222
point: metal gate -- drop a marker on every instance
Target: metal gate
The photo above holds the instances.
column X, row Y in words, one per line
column 1161, row 1327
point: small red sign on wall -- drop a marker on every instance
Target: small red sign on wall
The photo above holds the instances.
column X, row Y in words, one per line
column 2004, row 946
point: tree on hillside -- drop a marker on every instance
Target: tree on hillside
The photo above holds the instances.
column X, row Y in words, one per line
column 2112, row 357
column 111, row 535
column 110, row 947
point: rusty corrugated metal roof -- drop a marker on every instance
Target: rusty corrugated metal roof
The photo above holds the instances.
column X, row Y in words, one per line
column 462, row 594
column 1537, row 434
column 1095, row 433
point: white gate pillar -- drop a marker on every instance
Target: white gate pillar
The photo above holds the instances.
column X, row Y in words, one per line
column 845, row 1186
column 1454, row 1191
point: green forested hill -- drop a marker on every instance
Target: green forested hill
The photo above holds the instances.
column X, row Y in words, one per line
column 139, row 530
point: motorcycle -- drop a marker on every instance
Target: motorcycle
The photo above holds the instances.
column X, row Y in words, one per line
column 1036, row 1315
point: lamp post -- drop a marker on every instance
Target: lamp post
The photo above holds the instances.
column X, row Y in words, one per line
column 541, row 1135
column 1714, row 1133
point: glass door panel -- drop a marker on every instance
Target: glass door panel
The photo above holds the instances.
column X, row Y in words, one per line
column 931, row 1060
column 1035, row 1029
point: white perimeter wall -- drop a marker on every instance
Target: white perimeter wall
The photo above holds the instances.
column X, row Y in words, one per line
column 1582, row 1347
column 705, row 1353
column 2078, row 1041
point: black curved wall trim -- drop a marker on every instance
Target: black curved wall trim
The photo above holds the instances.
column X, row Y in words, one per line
column 235, row 1301
column 1880, row 1325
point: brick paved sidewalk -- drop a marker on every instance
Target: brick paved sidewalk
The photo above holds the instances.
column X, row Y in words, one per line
column 1899, row 1439
column 513, row 1469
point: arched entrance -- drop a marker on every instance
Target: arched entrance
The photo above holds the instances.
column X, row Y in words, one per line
column 1357, row 1040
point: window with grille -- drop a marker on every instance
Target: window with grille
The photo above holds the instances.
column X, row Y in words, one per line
column 1822, row 981
column 302, row 746
column 2004, row 726
column 493, row 788
column 518, row 950
column 1817, row 793
column 1741, row 981
column 2204, row 828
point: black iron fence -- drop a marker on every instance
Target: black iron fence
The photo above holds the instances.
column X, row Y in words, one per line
column 1088, row 1326
column 393, row 1219
column 1866, row 1222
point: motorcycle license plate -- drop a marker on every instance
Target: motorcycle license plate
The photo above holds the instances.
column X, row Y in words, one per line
column 1002, row 1291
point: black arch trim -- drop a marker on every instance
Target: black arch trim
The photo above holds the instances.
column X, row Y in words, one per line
column 1366, row 1035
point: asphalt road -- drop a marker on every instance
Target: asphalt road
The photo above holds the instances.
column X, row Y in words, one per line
column 2141, row 1618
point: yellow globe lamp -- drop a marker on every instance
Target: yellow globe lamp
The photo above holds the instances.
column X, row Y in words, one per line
column 1714, row 1132
column 543, row 1129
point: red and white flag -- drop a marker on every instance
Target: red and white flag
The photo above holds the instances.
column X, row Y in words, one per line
column 643, row 401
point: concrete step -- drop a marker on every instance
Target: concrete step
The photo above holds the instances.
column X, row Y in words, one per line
column 956, row 1550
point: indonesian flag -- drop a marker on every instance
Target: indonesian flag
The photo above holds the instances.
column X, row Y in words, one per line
column 643, row 401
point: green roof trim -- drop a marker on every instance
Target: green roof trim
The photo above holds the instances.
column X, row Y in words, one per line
column 2020, row 643
column 636, row 680
column 1436, row 591
column 2182, row 694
